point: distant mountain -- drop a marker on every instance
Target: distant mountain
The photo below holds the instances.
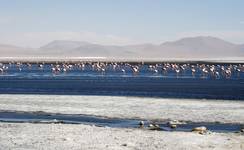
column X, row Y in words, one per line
column 64, row 45
column 8, row 47
column 13, row 51
column 202, row 47
column 84, row 49
column 241, row 47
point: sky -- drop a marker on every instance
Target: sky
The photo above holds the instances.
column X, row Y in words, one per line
column 32, row 23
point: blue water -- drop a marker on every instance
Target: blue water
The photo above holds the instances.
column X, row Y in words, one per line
column 119, row 79
column 42, row 117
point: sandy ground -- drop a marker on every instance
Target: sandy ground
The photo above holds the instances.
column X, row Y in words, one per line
column 129, row 107
column 59, row 136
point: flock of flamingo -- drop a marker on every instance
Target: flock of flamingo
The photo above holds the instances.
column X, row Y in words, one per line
column 212, row 70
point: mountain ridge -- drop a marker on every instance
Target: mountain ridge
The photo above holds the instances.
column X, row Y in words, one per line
column 189, row 47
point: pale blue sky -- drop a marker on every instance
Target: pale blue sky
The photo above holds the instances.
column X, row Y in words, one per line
column 33, row 23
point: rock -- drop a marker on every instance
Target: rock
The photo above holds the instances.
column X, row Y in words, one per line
column 242, row 128
column 154, row 127
column 124, row 144
column 173, row 126
column 141, row 124
column 200, row 130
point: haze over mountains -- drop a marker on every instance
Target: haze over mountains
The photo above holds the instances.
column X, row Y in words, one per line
column 193, row 47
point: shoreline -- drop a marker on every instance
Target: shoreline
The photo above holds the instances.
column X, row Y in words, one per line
column 46, row 59
column 198, row 110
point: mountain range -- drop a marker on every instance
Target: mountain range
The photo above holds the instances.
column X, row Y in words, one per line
column 190, row 47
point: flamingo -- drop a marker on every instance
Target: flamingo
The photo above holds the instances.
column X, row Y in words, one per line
column 135, row 69
column 155, row 71
column 193, row 70
column 1, row 70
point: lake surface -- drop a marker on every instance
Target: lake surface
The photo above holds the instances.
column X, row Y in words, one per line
column 205, row 81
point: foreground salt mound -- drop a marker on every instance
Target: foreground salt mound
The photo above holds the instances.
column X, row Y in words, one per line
column 61, row 136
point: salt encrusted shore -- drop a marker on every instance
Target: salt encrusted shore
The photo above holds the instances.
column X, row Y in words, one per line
column 63, row 136
column 129, row 107
column 70, row 136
